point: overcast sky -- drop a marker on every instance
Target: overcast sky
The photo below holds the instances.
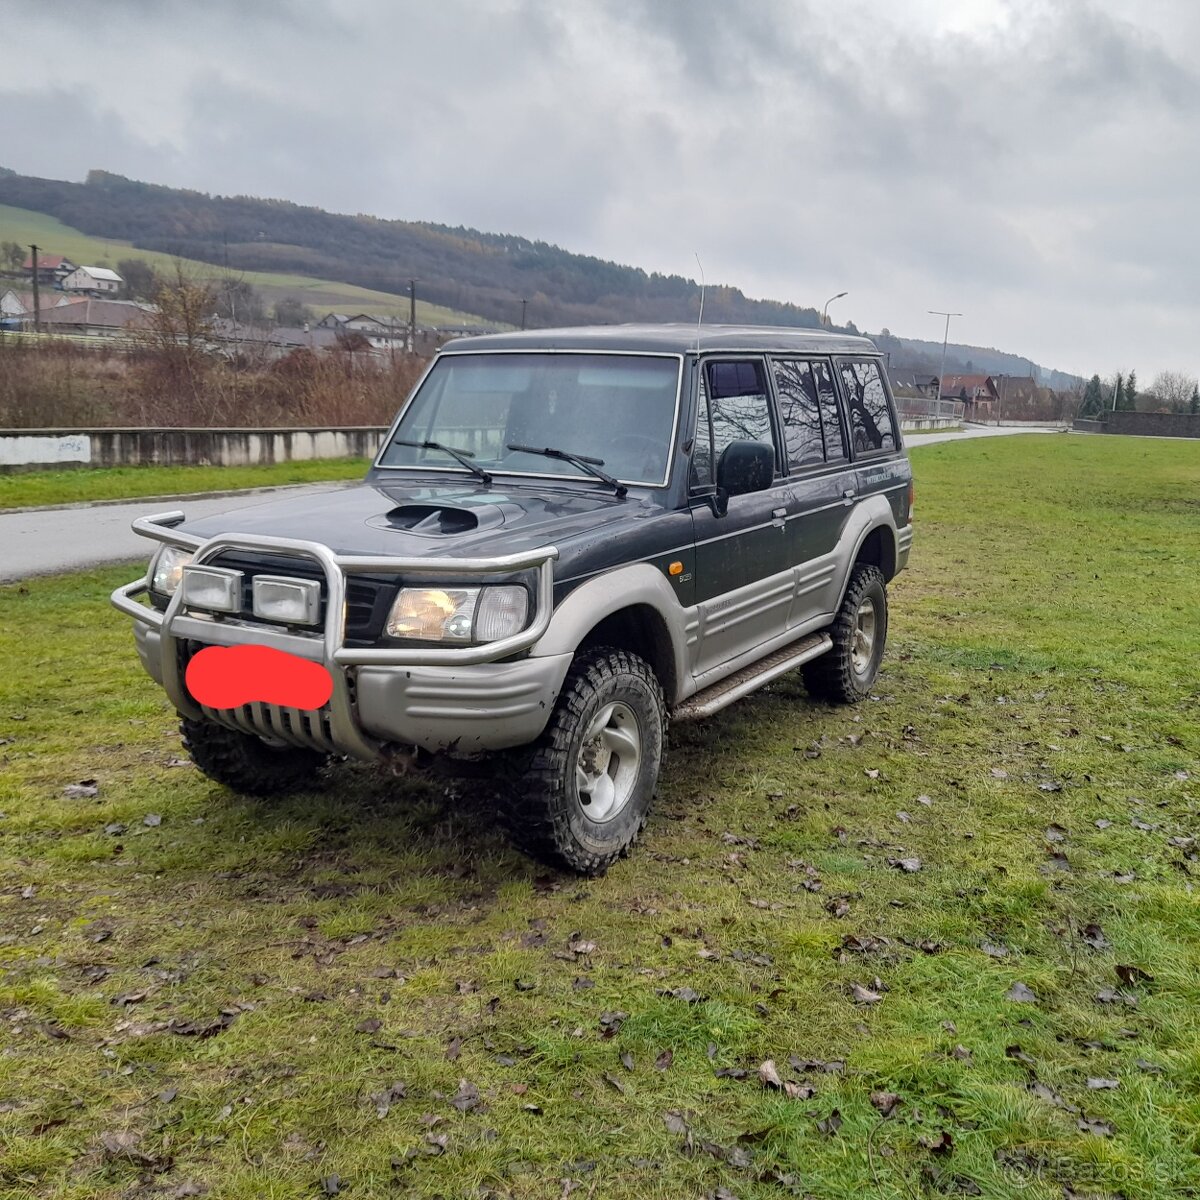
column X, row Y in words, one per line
column 1033, row 164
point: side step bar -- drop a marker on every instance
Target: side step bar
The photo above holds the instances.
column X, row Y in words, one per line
column 749, row 679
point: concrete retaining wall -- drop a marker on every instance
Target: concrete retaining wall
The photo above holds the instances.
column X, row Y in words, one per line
column 30, row 449
column 911, row 424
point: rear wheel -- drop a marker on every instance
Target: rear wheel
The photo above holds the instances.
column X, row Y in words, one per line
column 583, row 790
column 846, row 673
column 248, row 764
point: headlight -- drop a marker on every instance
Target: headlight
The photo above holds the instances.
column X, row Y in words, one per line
column 166, row 570
column 459, row 615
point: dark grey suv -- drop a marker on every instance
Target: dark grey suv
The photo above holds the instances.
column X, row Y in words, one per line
column 568, row 537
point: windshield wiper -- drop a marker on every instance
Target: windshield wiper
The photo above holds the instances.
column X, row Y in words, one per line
column 590, row 465
column 463, row 456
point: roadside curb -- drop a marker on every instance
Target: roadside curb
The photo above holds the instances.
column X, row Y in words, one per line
column 256, row 491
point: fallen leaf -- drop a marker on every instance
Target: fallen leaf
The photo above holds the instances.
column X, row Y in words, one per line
column 673, row 1119
column 610, row 1022
column 627, row 1061
column 581, row 947
column 962, row 1054
column 768, row 1075
column 664, row 1060
column 939, row 1143
column 1093, row 936
column 1095, row 1126
column 995, row 949
column 370, row 1025
column 454, row 1049
column 830, row 1124
column 83, row 790
column 1017, row 1053
column 1102, row 1085
column 384, row 1100
column 467, row 1096
column 1129, row 974
column 524, row 985
column 885, row 1102
column 331, row 1184
column 908, row 865
column 1055, row 833
column 864, row 995
column 613, row 1081
column 152, row 819
column 1020, row 993
column 582, row 984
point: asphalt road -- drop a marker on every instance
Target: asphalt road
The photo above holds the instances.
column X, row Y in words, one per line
column 45, row 541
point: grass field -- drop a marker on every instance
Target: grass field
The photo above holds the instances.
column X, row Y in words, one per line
column 128, row 483
column 961, row 920
column 322, row 295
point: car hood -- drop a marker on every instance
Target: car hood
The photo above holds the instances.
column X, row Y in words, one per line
column 456, row 520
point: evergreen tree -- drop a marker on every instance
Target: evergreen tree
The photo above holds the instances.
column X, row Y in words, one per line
column 1119, row 394
column 1130, row 402
column 1093, row 398
column 1194, row 407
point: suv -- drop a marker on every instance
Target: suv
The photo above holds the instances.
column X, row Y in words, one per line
column 568, row 537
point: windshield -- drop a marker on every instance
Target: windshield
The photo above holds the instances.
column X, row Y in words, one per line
column 618, row 410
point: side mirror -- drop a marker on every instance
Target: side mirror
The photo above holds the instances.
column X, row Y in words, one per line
column 745, row 467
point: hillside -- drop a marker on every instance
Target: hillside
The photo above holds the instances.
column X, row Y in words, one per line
column 461, row 269
column 322, row 295
column 333, row 260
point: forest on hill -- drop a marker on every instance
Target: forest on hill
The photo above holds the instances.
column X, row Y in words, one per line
column 490, row 275
column 484, row 273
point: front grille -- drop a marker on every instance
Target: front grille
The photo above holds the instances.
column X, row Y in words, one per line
column 367, row 599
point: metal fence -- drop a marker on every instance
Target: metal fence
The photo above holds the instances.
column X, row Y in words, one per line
column 916, row 406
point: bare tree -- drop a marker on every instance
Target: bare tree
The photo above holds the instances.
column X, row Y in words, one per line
column 1171, row 390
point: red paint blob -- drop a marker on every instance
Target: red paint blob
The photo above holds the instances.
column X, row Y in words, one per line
column 230, row 676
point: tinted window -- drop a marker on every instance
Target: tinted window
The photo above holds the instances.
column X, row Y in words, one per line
column 733, row 399
column 800, row 412
column 871, row 425
column 831, row 416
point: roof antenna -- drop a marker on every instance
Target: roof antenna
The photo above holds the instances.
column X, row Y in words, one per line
column 700, row 318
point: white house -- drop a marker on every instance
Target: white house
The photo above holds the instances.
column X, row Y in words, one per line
column 93, row 281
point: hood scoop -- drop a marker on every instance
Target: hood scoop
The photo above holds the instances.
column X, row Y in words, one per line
column 439, row 520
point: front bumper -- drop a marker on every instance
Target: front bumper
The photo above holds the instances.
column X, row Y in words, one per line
column 458, row 700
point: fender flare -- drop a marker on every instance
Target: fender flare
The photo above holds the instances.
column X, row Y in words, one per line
column 872, row 514
column 638, row 584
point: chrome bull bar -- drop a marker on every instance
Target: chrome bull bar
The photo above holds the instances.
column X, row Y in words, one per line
column 338, row 721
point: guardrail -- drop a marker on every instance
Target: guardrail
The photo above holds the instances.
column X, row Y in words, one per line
column 917, row 406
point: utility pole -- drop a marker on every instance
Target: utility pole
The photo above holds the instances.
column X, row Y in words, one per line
column 37, row 304
column 934, row 312
column 523, row 305
column 412, row 316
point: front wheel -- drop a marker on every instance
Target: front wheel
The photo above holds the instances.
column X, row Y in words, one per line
column 248, row 764
column 583, row 790
column 846, row 672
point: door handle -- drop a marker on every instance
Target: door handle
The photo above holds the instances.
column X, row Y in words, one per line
column 848, row 494
column 779, row 514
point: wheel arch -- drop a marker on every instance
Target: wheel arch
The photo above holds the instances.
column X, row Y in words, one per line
column 630, row 609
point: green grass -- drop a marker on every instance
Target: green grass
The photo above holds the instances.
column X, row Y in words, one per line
column 322, row 295
column 1045, row 634
column 118, row 483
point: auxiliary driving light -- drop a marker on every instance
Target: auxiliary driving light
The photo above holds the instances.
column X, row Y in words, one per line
column 216, row 589
column 287, row 601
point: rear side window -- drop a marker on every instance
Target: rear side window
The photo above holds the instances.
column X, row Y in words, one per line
column 871, row 426
column 733, row 408
column 809, row 410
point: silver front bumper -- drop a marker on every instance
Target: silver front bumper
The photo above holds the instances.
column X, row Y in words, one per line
column 442, row 699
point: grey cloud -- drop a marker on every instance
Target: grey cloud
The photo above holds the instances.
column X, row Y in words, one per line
column 1013, row 164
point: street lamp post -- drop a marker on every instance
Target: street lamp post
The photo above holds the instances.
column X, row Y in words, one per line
column 934, row 312
column 825, row 308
